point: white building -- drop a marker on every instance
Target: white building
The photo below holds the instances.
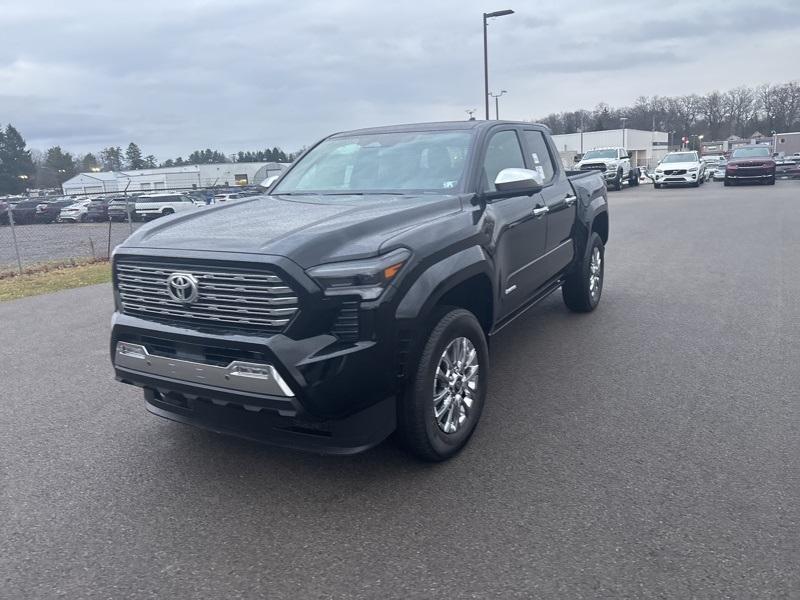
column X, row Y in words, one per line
column 173, row 178
column 648, row 147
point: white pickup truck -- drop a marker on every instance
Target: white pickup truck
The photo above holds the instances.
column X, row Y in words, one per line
column 614, row 163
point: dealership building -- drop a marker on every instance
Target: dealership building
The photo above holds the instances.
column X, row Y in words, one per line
column 173, row 178
column 647, row 147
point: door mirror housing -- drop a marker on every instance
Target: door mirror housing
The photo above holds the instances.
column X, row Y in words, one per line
column 518, row 180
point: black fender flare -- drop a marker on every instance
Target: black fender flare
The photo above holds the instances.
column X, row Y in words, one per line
column 442, row 276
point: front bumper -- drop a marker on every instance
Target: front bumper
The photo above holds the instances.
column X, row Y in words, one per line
column 312, row 394
column 683, row 178
column 744, row 175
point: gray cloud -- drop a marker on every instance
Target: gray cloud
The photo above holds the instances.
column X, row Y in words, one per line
column 236, row 74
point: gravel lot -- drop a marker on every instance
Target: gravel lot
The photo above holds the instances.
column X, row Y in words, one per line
column 648, row 450
column 60, row 241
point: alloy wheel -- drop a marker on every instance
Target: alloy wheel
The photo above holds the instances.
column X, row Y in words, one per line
column 455, row 385
column 595, row 273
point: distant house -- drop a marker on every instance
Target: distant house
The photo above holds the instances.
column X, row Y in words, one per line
column 173, row 178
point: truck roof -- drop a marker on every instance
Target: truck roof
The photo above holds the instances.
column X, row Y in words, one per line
column 434, row 126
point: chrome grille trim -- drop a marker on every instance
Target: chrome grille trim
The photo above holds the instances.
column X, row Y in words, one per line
column 228, row 296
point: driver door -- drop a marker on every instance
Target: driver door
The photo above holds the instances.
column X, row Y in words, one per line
column 520, row 227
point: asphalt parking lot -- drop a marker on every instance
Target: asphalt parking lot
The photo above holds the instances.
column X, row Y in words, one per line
column 649, row 450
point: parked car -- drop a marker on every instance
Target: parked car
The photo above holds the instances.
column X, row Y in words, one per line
column 358, row 297
column 614, row 163
column 24, row 211
column 226, row 197
column 75, row 213
column 48, row 212
column 97, row 211
column 718, row 173
column 152, row 206
column 750, row 164
column 680, row 168
column 118, row 208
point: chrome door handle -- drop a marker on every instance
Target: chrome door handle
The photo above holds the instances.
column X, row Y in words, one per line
column 541, row 211
column 570, row 200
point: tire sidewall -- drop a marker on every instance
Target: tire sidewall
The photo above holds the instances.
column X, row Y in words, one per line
column 466, row 325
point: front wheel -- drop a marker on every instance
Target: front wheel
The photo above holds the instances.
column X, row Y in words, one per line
column 726, row 181
column 444, row 399
column 771, row 180
column 167, row 211
column 582, row 289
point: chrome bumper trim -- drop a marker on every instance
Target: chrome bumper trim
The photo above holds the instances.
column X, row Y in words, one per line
column 253, row 378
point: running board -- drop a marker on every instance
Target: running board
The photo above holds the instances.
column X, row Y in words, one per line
column 552, row 287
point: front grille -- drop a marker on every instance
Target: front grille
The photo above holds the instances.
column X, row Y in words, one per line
column 675, row 172
column 229, row 297
column 598, row 167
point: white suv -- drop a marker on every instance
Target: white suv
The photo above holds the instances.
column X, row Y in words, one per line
column 151, row 206
column 680, row 168
column 613, row 162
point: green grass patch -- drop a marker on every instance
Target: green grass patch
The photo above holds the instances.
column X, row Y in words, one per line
column 47, row 279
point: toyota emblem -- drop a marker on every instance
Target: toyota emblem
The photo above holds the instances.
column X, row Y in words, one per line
column 183, row 287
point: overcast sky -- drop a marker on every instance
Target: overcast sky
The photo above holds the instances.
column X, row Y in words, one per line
column 177, row 75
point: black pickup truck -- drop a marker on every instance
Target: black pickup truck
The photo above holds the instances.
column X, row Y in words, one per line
column 357, row 297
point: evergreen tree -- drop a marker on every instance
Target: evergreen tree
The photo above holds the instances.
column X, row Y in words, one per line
column 111, row 158
column 88, row 163
column 150, row 162
column 16, row 165
column 133, row 156
column 168, row 163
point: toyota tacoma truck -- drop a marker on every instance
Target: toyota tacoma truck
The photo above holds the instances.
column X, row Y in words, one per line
column 356, row 298
column 613, row 163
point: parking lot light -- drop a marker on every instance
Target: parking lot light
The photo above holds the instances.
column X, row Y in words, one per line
column 486, row 16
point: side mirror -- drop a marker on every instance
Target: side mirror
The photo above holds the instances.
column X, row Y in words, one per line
column 518, row 180
column 268, row 181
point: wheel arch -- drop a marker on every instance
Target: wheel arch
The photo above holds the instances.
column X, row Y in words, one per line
column 462, row 279
column 600, row 226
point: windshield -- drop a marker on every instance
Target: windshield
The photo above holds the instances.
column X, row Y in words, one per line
column 600, row 154
column 760, row 152
column 382, row 162
column 680, row 157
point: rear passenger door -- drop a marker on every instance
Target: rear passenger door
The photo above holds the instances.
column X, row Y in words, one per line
column 558, row 197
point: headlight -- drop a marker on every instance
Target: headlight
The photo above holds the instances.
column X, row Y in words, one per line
column 366, row 278
column 693, row 169
column 659, row 171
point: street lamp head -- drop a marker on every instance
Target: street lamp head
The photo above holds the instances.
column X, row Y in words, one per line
column 498, row 13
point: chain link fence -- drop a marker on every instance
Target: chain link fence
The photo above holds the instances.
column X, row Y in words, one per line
column 38, row 233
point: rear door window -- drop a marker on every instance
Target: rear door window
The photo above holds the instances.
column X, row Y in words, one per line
column 541, row 161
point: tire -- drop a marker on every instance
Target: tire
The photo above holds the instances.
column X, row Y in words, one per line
column 578, row 292
column 657, row 186
column 420, row 430
column 633, row 177
column 771, row 180
column 726, row 182
column 618, row 181
column 695, row 184
column 167, row 211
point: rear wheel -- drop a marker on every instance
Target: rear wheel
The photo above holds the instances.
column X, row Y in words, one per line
column 444, row 399
column 167, row 211
column 633, row 177
column 771, row 180
column 582, row 289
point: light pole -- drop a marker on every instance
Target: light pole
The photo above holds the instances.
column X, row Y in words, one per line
column 624, row 120
column 486, row 16
column 496, row 104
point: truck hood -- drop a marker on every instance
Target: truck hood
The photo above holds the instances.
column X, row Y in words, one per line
column 308, row 229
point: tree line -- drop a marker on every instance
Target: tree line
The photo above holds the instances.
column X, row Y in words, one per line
column 21, row 168
column 716, row 115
